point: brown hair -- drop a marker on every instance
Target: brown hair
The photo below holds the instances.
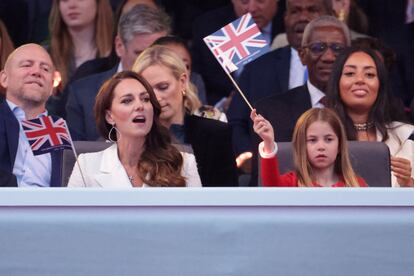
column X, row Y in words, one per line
column 61, row 44
column 342, row 165
column 160, row 163
column 6, row 45
column 6, row 48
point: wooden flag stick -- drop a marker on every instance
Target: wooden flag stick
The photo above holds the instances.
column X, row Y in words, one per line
column 76, row 155
column 227, row 65
column 239, row 90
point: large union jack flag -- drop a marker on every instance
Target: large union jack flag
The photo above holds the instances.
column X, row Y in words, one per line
column 237, row 43
column 46, row 134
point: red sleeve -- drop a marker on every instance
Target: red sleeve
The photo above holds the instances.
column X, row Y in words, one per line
column 269, row 168
column 362, row 182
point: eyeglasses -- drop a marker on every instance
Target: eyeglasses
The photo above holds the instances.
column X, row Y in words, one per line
column 319, row 48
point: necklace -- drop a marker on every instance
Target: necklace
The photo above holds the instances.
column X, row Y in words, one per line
column 364, row 126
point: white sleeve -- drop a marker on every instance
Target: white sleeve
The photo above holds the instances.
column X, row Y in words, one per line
column 75, row 179
column 190, row 171
column 264, row 154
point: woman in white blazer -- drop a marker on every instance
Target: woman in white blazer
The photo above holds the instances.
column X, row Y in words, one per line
column 127, row 112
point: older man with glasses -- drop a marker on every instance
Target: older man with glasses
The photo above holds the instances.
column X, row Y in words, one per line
column 323, row 40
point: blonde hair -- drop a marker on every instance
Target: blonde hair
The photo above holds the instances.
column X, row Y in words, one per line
column 342, row 166
column 61, row 44
column 162, row 55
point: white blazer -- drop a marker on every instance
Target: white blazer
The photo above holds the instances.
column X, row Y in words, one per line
column 400, row 143
column 103, row 169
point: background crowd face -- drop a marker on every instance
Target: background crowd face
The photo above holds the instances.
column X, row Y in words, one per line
column 129, row 51
column 28, row 76
column 78, row 13
column 320, row 65
column 359, row 83
column 262, row 11
column 298, row 14
column 169, row 91
column 131, row 110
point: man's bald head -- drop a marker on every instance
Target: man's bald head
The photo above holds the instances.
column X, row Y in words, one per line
column 28, row 76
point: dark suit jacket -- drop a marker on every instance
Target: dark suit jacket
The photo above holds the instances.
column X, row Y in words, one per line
column 265, row 76
column 79, row 108
column 7, row 179
column 56, row 104
column 211, row 142
column 217, row 83
column 9, row 139
column 282, row 111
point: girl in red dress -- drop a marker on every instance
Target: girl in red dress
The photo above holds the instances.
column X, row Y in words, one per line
column 320, row 152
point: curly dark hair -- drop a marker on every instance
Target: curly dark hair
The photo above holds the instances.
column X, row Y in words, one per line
column 160, row 163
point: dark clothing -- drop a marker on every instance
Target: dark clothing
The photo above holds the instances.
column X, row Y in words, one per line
column 265, row 76
column 7, row 179
column 79, row 108
column 211, row 142
column 9, row 139
column 282, row 111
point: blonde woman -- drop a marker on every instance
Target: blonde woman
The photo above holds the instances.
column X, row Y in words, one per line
column 210, row 139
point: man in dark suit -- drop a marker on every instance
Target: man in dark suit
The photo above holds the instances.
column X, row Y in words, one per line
column 138, row 29
column 324, row 38
column 266, row 16
column 275, row 72
column 28, row 80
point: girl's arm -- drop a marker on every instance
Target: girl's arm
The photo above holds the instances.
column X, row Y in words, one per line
column 264, row 129
column 269, row 167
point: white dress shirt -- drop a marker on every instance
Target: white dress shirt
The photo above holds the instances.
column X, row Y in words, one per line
column 297, row 70
column 315, row 94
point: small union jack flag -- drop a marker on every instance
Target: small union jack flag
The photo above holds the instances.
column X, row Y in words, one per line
column 46, row 134
column 237, row 43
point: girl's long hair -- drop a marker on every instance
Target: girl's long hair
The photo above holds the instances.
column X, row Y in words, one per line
column 61, row 44
column 342, row 166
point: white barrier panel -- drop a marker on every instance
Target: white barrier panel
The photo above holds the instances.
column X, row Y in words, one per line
column 207, row 231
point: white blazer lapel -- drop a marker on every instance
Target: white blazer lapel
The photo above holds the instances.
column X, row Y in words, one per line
column 111, row 172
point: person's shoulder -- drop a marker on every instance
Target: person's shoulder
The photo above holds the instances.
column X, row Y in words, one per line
column 93, row 79
column 284, row 97
column 268, row 59
column 206, row 123
column 212, row 20
column 91, row 157
column 219, row 14
column 403, row 131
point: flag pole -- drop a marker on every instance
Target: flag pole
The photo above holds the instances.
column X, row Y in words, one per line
column 239, row 90
column 227, row 66
column 76, row 155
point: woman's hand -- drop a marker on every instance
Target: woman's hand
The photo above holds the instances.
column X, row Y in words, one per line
column 264, row 129
column 401, row 168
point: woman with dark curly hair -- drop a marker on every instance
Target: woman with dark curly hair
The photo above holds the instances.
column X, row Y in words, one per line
column 127, row 113
column 358, row 91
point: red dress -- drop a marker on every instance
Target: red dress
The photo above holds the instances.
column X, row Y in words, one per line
column 272, row 178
